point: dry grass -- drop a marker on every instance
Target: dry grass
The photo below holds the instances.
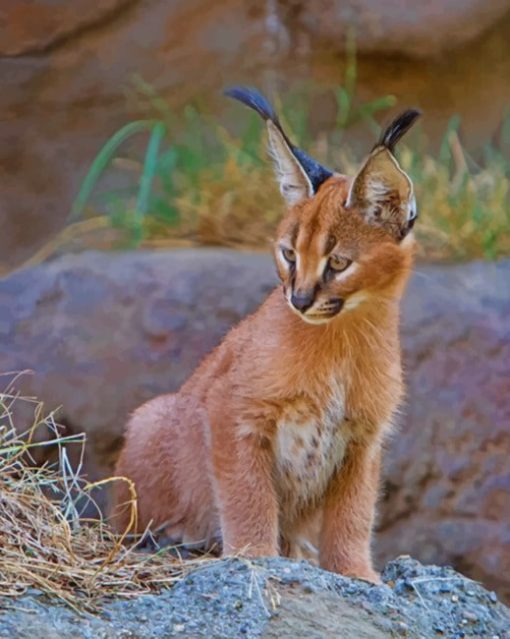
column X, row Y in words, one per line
column 464, row 208
column 43, row 542
column 233, row 201
column 464, row 213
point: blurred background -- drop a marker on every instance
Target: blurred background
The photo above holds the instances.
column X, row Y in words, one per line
column 74, row 75
column 115, row 137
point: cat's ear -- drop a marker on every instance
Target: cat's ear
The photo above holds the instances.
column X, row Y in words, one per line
column 382, row 191
column 298, row 175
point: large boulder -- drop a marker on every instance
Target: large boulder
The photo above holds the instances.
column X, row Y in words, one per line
column 103, row 332
column 69, row 75
column 447, row 493
column 417, row 29
column 279, row 599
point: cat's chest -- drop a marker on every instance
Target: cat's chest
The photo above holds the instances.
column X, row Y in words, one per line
column 310, row 444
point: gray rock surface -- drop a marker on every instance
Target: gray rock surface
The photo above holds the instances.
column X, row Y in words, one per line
column 447, row 493
column 280, row 599
column 104, row 332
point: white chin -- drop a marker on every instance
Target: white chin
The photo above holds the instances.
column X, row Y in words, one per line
column 317, row 320
column 310, row 319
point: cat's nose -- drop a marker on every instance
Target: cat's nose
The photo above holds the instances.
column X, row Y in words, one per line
column 302, row 300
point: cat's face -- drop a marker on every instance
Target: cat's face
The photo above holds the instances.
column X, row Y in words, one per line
column 343, row 241
column 331, row 259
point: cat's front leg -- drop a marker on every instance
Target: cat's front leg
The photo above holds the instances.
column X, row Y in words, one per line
column 244, row 489
column 349, row 509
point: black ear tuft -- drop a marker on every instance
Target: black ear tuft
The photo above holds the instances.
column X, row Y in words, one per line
column 317, row 174
column 255, row 100
column 400, row 125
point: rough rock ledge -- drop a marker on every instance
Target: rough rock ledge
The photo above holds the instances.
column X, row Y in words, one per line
column 279, row 598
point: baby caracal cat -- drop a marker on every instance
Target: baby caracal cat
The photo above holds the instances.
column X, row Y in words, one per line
column 278, row 433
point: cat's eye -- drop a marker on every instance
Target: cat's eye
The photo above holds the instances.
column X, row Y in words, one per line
column 289, row 254
column 338, row 264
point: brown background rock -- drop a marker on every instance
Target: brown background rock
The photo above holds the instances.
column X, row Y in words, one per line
column 418, row 29
column 104, row 332
column 67, row 74
column 32, row 28
column 448, row 468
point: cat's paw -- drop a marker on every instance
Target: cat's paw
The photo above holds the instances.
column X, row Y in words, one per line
column 369, row 575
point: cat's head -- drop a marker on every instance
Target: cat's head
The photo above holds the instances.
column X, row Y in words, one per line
column 344, row 240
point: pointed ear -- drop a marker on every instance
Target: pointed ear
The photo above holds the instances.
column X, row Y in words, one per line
column 298, row 175
column 382, row 191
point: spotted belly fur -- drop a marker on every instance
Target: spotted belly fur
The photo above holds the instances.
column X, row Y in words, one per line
column 310, row 445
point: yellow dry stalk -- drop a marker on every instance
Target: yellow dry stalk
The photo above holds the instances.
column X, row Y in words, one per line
column 46, row 546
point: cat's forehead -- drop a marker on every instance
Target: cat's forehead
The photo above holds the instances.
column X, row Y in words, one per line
column 317, row 214
column 320, row 223
column 321, row 218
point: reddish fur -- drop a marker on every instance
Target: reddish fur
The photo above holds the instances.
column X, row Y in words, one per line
column 206, row 461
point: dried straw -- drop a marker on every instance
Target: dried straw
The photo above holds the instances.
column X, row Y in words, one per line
column 44, row 544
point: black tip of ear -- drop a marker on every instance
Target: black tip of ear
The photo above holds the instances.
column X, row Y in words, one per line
column 253, row 99
column 400, row 125
column 316, row 173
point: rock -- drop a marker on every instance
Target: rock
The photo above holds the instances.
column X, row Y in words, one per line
column 417, row 29
column 447, row 471
column 32, row 28
column 104, row 332
column 66, row 72
column 267, row 599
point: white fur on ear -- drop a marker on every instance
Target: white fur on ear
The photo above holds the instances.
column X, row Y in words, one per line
column 299, row 175
column 294, row 182
column 383, row 192
column 413, row 211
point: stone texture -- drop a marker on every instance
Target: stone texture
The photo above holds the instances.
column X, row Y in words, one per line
column 277, row 598
column 32, row 28
column 104, row 332
column 418, row 29
column 68, row 83
column 448, row 469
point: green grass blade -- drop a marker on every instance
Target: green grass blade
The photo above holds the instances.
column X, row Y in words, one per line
column 445, row 154
column 351, row 70
column 146, row 179
column 343, row 101
column 149, row 169
column 101, row 162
